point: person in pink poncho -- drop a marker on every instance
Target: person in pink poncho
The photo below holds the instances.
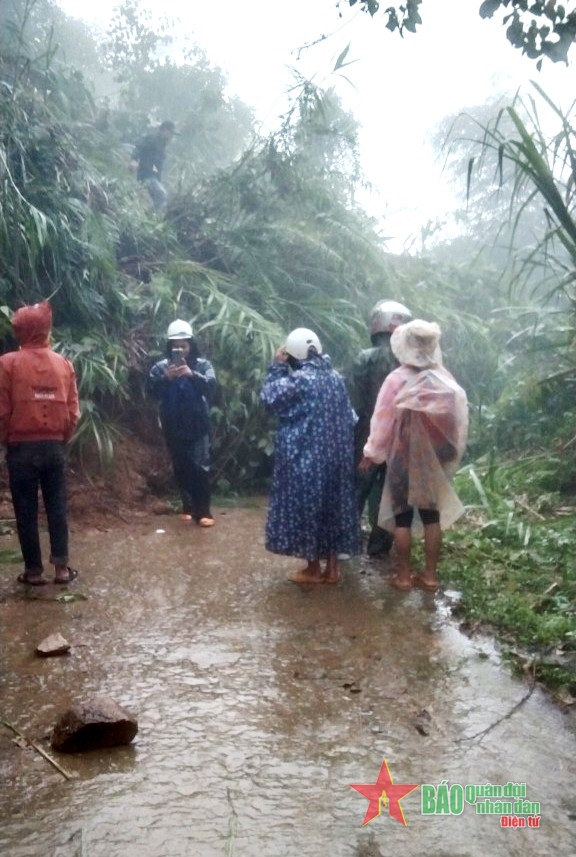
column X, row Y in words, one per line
column 419, row 428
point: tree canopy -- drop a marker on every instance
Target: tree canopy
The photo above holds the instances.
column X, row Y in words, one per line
column 539, row 28
column 261, row 234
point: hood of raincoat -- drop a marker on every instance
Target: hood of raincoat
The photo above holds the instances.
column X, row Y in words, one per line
column 32, row 324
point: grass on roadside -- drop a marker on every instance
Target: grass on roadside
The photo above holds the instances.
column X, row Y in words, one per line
column 513, row 560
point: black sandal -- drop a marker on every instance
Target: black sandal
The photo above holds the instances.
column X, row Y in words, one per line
column 32, row 581
column 72, row 575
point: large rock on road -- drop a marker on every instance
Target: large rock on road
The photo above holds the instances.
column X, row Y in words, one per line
column 93, row 724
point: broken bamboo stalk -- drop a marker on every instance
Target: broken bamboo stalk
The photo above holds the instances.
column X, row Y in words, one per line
column 39, row 750
column 528, row 509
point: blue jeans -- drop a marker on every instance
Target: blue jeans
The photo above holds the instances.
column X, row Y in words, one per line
column 31, row 465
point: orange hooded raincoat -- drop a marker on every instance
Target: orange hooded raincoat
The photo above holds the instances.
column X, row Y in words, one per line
column 38, row 392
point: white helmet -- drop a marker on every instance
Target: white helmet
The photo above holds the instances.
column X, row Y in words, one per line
column 179, row 330
column 386, row 316
column 300, row 340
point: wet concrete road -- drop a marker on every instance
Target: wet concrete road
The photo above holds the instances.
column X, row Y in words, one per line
column 258, row 704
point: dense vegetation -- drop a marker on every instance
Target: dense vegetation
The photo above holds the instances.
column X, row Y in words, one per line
column 263, row 234
column 540, row 28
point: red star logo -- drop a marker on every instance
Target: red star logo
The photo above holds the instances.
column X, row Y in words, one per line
column 384, row 791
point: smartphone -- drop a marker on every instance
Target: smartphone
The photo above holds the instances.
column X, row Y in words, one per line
column 177, row 356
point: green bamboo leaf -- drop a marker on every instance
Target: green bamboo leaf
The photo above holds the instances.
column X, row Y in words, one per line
column 341, row 58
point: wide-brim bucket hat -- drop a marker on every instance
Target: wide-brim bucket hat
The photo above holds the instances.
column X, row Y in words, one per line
column 417, row 343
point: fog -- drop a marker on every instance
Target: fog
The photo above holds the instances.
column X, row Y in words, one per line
column 399, row 89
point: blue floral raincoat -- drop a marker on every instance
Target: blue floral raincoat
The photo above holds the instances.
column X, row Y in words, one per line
column 313, row 508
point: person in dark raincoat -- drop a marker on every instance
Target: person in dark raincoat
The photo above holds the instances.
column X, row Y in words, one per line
column 367, row 375
column 313, row 510
column 183, row 383
column 148, row 158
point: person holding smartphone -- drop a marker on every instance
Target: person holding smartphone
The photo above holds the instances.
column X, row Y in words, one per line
column 183, row 384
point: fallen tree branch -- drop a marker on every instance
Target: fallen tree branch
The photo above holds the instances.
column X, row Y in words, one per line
column 39, row 750
column 528, row 509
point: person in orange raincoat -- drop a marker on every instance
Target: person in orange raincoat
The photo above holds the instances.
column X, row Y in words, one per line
column 39, row 412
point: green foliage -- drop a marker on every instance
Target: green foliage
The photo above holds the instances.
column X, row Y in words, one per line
column 254, row 242
column 153, row 86
column 514, row 562
column 539, row 169
column 401, row 18
column 502, row 488
column 540, row 370
column 55, row 225
column 133, row 42
column 212, row 128
column 100, row 365
column 278, row 223
column 102, row 387
column 486, row 221
column 96, row 433
column 542, row 28
column 538, row 29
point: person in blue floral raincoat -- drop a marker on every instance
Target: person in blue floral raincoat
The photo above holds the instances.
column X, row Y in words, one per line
column 313, row 511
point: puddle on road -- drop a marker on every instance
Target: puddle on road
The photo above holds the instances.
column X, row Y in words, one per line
column 258, row 704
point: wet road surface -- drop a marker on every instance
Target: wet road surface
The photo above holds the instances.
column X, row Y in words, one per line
column 258, row 703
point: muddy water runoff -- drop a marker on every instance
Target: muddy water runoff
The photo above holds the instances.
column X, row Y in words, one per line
column 258, row 703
